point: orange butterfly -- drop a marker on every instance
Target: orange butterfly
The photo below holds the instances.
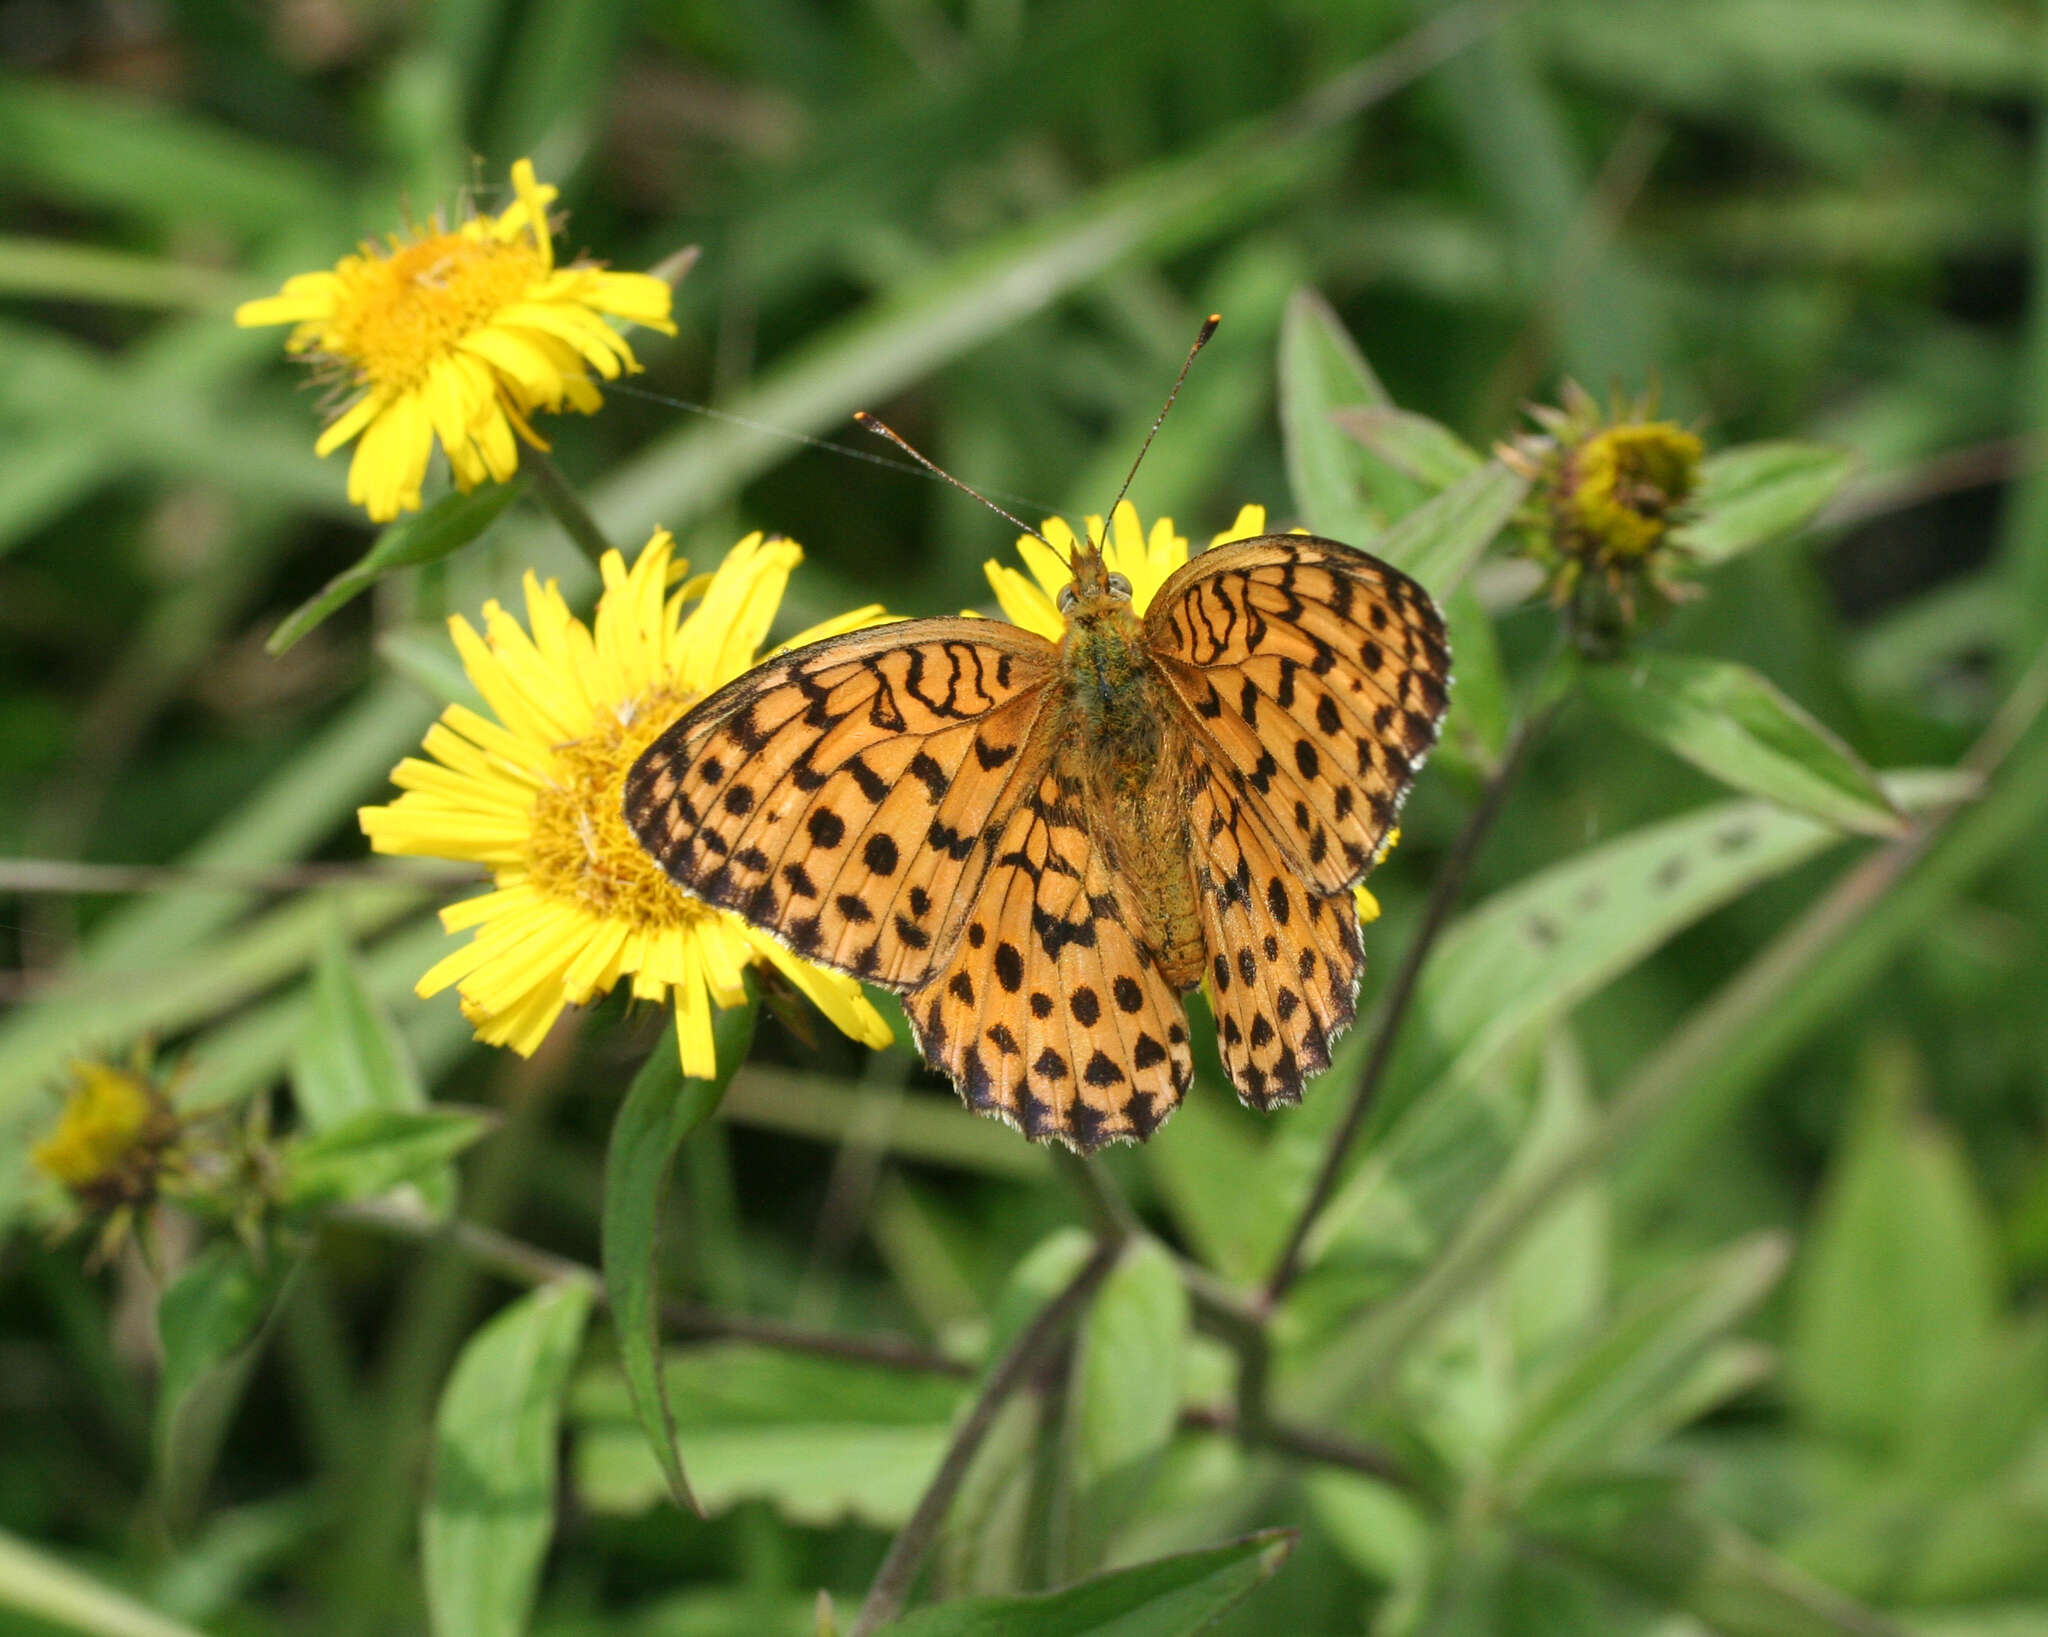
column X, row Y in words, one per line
column 1042, row 846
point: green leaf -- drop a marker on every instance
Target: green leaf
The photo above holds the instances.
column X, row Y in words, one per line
column 1125, row 1394
column 1733, row 723
column 1556, row 1280
column 1524, row 957
column 823, row 1439
column 351, row 1060
column 37, row 1583
column 1898, row 1291
column 1440, row 540
column 90, row 148
column 1426, row 450
column 1341, row 491
column 1643, row 1354
column 1382, row 1532
column 660, row 1110
column 1168, row 1597
column 1639, row 1536
column 1757, row 492
column 491, row 1511
column 1041, row 1273
column 373, row 1152
column 1477, row 727
column 1534, row 950
column 446, row 526
column 207, row 1321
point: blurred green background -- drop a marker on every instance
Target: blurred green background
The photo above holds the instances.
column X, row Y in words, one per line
column 998, row 223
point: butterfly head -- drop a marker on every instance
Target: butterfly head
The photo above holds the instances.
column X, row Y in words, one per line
column 1093, row 584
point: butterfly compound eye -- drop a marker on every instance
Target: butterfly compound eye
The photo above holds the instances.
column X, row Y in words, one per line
column 1066, row 599
column 1120, row 587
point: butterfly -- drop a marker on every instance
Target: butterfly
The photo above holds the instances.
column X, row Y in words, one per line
column 1042, row 846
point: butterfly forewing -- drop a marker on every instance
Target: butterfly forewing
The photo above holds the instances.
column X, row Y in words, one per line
column 1318, row 676
column 837, row 795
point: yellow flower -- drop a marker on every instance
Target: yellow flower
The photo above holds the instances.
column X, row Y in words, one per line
column 105, row 1144
column 1146, row 560
column 1626, row 482
column 535, row 796
column 458, row 336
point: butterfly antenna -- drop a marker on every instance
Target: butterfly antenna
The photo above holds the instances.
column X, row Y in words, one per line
column 1201, row 340
column 881, row 429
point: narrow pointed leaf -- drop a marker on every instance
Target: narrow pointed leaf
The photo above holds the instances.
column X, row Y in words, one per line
column 1125, row 1396
column 1898, row 1295
column 36, row 1582
column 660, row 1110
column 1340, row 489
column 492, row 1508
column 1733, row 723
column 207, row 1323
column 1757, row 492
column 351, row 1060
column 1168, row 1597
column 821, row 1439
column 1641, row 1356
column 1700, row 1566
column 446, row 526
column 1520, row 959
column 371, row 1153
column 1426, row 450
column 1440, row 540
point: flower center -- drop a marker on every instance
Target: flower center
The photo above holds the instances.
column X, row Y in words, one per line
column 1630, row 479
column 580, row 850
column 399, row 314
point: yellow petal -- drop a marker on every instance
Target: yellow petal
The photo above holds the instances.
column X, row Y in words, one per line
column 1023, row 603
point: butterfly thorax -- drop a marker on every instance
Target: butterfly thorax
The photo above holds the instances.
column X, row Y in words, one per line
column 1115, row 731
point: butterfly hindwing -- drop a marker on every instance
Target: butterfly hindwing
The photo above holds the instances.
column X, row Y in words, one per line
column 1049, row 1013
column 1318, row 676
column 837, row 796
column 1284, row 958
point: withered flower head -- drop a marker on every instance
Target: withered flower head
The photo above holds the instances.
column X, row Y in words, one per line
column 1608, row 488
column 109, row 1143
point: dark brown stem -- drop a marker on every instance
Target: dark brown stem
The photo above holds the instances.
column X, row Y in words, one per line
column 565, row 506
column 1443, row 899
column 1317, row 1444
column 526, row 1264
column 899, row 1570
column 1109, row 1213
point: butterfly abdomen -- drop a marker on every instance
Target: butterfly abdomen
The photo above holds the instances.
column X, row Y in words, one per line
column 1116, row 726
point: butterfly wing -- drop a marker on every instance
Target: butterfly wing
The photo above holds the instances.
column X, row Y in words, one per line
column 1284, row 958
column 837, row 795
column 1050, row 1013
column 1314, row 679
column 1318, row 677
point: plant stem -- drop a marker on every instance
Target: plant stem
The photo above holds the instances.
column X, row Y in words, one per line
column 899, row 1570
column 564, row 505
column 1316, row 1444
column 526, row 1264
column 1109, row 1213
column 1443, row 899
